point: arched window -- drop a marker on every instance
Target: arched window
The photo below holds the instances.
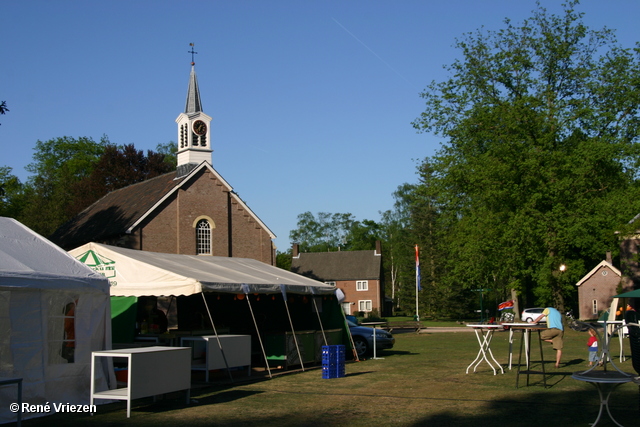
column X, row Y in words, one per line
column 203, row 237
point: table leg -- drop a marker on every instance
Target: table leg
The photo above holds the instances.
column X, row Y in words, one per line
column 604, row 403
column 544, row 373
column 479, row 355
column 520, row 358
column 510, row 347
column 491, row 353
column 484, row 343
column 620, row 333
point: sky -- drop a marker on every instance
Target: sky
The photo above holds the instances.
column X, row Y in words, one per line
column 312, row 100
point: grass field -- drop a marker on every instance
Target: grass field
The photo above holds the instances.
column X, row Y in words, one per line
column 421, row 382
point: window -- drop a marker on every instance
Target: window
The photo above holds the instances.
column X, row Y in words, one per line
column 362, row 285
column 62, row 329
column 594, row 304
column 364, row 305
column 203, row 238
column 346, row 307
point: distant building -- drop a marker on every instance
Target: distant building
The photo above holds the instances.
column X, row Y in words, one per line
column 596, row 289
column 191, row 211
column 357, row 273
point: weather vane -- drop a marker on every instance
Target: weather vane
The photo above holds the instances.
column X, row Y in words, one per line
column 192, row 52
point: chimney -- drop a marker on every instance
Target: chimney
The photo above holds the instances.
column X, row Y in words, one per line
column 378, row 248
column 609, row 257
column 295, row 250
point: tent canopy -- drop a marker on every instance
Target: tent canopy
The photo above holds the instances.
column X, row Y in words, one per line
column 27, row 260
column 140, row 273
column 630, row 294
column 54, row 311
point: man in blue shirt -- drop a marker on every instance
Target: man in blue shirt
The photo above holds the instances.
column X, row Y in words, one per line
column 555, row 333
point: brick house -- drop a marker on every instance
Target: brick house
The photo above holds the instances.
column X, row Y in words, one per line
column 358, row 274
column 191, row 211
column 596, row 289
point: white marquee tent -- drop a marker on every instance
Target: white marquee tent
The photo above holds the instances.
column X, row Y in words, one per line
column 139, row 273
column 54, row 311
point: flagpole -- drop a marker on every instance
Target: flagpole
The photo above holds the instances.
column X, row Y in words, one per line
column 417, row 281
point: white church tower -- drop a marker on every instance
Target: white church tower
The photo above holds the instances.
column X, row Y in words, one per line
column 194, row 133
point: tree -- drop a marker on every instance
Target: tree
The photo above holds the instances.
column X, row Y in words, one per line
column 117, row 167
column 3, row 107
column 169, row 150
column 11, row 193
column 327, row 232
column 59, row 164
column 334, row 232
column 70, row 174
column 539, row 165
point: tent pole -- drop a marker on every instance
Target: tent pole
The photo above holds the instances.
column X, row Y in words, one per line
column 324, row 337
column 264, row 354
column 224, row 358
column 295, row 340
column 353, row 345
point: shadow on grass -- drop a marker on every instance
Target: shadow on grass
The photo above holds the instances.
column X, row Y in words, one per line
column 573, row 409
column 399, row 352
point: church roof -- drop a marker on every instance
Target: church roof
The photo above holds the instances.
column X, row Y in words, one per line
column 344, row 265
column 122, row 211
column 114, row 213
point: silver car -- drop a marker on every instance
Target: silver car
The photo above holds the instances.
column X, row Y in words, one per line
column 531, row 314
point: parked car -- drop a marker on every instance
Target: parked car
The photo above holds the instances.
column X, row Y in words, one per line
column 363, row 338
column 531, row 314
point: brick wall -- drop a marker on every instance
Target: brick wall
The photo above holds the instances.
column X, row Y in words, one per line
column 600, row 287
column 171, row 228
column 353, row 295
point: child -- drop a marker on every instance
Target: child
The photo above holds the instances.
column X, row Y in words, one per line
column 593, row 347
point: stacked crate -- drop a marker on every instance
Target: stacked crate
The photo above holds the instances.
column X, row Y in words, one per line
column 332, row 361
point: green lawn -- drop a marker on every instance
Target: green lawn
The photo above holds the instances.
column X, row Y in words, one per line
column 421, row 382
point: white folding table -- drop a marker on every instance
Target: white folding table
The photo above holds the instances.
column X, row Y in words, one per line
column 151, row 371
column 484, row 334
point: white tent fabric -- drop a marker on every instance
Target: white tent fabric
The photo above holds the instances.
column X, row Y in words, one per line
column 140, row 273
column 38, row 281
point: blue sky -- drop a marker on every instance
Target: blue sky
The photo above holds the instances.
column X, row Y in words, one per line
column 312, row 101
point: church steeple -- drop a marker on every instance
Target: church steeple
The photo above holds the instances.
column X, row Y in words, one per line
column 194, row 105
column 193, row 128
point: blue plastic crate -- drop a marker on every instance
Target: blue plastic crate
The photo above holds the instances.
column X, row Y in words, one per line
column 333, row 361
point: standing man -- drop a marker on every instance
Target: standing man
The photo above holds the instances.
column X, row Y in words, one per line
column 555, row 333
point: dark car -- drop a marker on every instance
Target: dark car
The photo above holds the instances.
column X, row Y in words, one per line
column 363, row 339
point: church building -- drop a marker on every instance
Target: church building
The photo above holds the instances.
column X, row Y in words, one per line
column 191, row 211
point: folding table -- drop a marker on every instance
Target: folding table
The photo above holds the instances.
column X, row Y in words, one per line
column 484, row 334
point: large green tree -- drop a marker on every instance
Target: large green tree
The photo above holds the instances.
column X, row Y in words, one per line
column 538, row 168
column 326, row 232
column 69, row 174
column 58, row 165
column 11, row 193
